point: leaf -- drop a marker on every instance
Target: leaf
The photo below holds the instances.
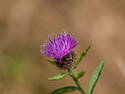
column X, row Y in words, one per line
column 82, row 56
column 52, row 62
column 58, row 77
column 95, row 77
column 65, row 90
column 80, row 74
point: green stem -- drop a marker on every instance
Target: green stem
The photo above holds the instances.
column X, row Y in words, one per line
column 77, row 81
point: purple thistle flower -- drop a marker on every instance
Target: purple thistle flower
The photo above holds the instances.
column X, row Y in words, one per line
column 59, row 47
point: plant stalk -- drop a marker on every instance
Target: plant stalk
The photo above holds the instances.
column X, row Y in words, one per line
column 77, row 82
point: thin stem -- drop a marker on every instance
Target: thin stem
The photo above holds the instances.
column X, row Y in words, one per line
column 77, row 81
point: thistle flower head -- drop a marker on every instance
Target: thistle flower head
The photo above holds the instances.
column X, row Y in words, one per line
column 59, row 47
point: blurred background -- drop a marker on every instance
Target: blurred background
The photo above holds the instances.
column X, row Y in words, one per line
column 25, row 24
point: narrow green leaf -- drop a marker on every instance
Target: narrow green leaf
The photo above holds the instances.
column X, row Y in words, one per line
column 58, row 77
column 52, row 62
column 80, row 74
column 95, row 77
column 65, row 90
column 81, row 56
